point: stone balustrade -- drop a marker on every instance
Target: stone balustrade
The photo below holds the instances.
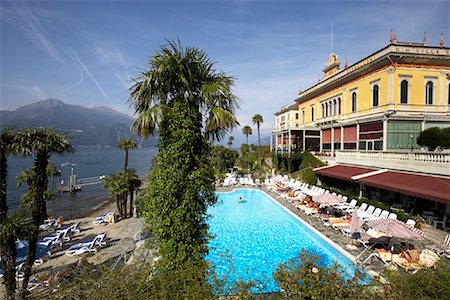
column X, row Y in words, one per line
column 424, row 162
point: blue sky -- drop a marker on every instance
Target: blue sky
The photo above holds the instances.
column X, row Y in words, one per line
column 85, row 52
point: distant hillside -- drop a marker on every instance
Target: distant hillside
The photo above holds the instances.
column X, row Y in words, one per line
column 99, row 126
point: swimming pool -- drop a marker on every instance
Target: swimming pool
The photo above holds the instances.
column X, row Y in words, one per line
column 254, row 237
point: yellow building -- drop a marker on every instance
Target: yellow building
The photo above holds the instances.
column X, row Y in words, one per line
column 380, row 103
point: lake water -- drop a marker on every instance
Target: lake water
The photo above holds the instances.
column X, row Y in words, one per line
column 88, row 162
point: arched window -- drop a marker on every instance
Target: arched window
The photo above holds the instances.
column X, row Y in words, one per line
column 404, row 91
column 303, row 116
column 354, row 101
column 339, row 106
column 334, row 107
column 375, row 95
column 429, row 93
column 323, row 111
column 312, row 113
column 326, row 110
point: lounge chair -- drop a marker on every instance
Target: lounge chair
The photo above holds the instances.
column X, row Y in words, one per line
column 411, row 222
column 392, row 216
column 376, row 214
column 87, row 246
column 384, row 214
column 54, row 239
column 367, row 240
column 367, row 213
column 363, row 207
column 108, row 218
column 348, row 207
column 47, row 224
column 99, row 240
column 74, row 228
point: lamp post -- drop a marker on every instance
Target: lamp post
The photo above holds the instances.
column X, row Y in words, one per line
column 411, row 136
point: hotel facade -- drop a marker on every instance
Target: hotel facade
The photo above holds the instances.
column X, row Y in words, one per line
column 364, row 119
column 378, row 105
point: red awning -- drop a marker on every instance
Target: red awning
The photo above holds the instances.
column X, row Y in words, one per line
column 343, row 172
column 422, row 186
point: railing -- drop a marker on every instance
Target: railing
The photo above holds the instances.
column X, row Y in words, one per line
column 425, row 162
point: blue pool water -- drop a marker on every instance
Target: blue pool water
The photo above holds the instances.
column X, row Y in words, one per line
column 252, row 238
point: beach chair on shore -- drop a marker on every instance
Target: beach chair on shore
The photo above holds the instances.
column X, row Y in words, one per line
column 49, row 223
column 54, row 239
column 107, row 218
column 87, row 246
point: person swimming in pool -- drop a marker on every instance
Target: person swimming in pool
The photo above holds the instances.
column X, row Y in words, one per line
column 241, row 200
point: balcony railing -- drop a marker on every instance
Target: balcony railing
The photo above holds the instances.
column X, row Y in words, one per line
column 425, row 162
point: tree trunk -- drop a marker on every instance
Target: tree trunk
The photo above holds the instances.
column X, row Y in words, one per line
column 31, row 256
column 8, row 253
column 118, row 203
column 246, row 139
column 3, row 183
column 8, row 250
column 126, row 160
column 259, row 145
column 131, row 202
column 124, row 206
column 38, row 211
column 41, row 163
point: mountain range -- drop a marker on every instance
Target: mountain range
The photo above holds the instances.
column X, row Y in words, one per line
column 96, row 126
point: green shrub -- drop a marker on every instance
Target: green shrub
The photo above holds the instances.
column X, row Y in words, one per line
column 434, row 137
column 305, row 278
column 306, row 175
column 431, row 283
column 310, row 161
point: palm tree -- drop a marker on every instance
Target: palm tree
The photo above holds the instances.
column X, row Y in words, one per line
column 122, row 186
column 230, row 141
column 133, row 184
column 7, row 240
column 258, row 119
column 183, row 75
column 189, row 101
column 42, row 142
column 17, row 225
column 126, row 144
column 117, row 188
column 247, row 130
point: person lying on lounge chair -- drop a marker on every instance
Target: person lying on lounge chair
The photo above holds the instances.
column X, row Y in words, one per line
column 108, row 218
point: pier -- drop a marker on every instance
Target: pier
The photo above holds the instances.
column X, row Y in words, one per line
column 75, row 184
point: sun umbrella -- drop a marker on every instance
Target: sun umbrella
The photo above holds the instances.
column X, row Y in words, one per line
column 328, row 199
column 397, row 228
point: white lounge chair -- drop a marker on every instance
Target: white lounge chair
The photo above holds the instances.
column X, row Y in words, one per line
column 367, row 213
column 86, row 246
column 47, row 224
column 363, row 207
column 54, row 239
column 108, row 218
column 392, row 216
column 376, row 214
column 411, row 222
column 384, row 214
column 347, row 207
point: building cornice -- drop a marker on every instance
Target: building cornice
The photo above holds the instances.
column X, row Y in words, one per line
column 389, row 55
